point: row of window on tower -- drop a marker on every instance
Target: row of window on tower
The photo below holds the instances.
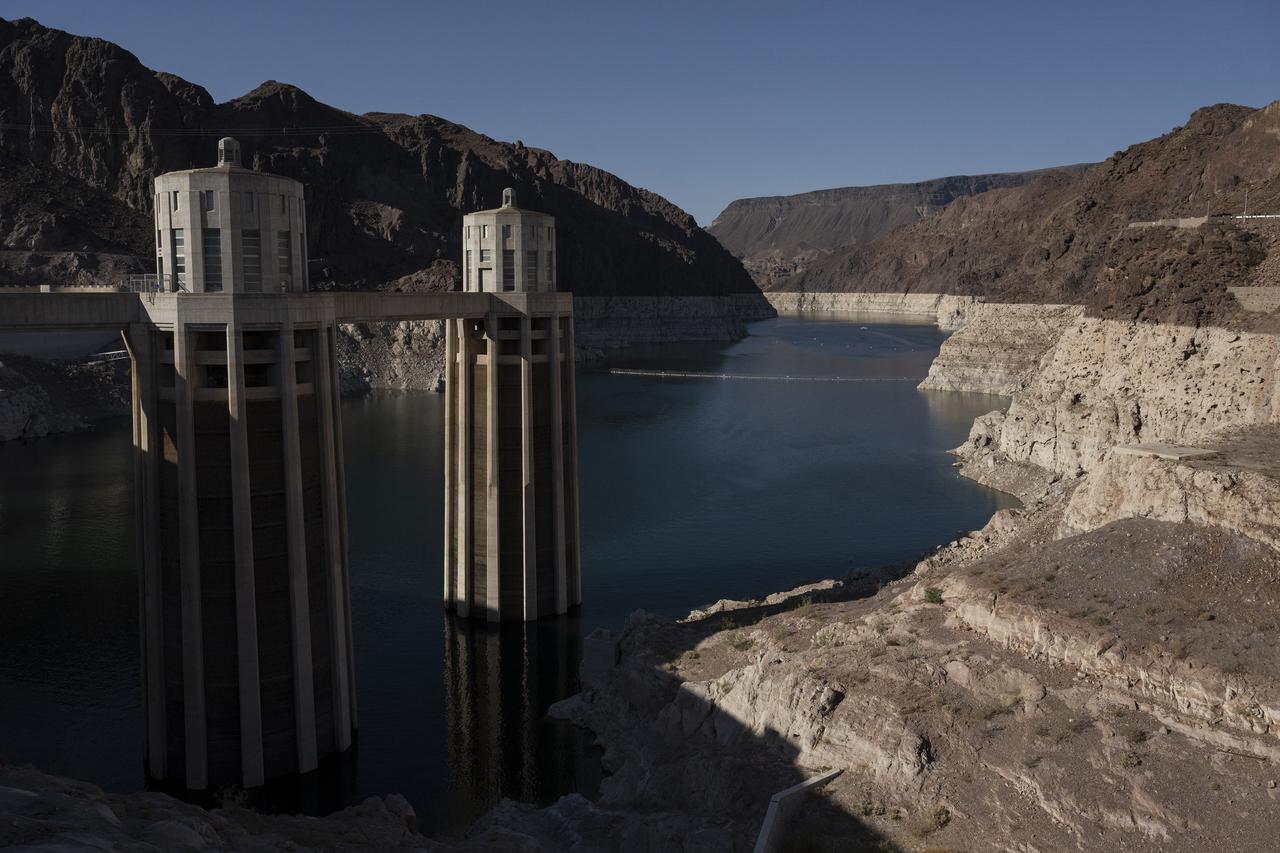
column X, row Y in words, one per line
column 530, row 232
column 211, row 257
column 509, row 269
column 244, row 201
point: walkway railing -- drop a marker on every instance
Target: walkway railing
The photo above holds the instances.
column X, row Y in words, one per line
column 155, row 283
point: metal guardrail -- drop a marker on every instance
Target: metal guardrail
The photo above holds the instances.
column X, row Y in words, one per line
column 155, row 283
column 113, row 355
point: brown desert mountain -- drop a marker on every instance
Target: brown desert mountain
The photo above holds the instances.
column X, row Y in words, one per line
column 779, row 236
column 1063, row 237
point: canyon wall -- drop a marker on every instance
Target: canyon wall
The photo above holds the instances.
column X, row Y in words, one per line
column 1108, row 383
column 779, row 236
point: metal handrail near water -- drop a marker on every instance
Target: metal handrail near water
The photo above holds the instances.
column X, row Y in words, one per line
column 699, row 374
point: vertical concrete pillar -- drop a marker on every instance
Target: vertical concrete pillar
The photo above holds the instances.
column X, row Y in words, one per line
column 493, row 575
column 575, row 576
column 193, row 699
column 335, row 388
column 463, row 482
column 299, row 598
column 530, row 521
column 557, row 462
column 324, row 364
column 140, row 341
column 450, row 462
column 252, row 760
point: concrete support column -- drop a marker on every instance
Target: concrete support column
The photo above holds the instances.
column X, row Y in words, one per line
column 252, row 760
column 140, row 342
column 463, row 482
column 530, row 520
column 493, row 576
column 193, row 692
column 324, row 364
column 557, row 462
column 335, row 388
column 299, row 598
column 575, row 576
column 450, row 462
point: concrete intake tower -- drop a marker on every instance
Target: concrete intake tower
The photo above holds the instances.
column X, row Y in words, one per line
column 511, row 480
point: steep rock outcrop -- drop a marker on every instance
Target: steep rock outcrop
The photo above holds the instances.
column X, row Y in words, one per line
column 1107, row 383
column 998, row 347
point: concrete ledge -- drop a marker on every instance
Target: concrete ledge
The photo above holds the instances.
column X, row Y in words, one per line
column 782, row 808
column 1162, row 451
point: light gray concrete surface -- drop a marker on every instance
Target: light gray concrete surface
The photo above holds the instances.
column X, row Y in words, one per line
column 782, row 808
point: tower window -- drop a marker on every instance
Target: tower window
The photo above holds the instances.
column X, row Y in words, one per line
column 177, row 237
column 206, row 199
column 508, row 268
column 284, row 252
column 466, row 272
column 251, row 254
column 248, row 202
column 486, row 256
column 484, row 232
column 531, row 270
column 506, row 232
column 283, row 207
column 212, row 257
column 551, row 267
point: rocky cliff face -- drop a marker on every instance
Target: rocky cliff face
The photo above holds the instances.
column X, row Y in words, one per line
column 89, row 127
column 1108, row 383
column 780, row 236
column 1048, row 240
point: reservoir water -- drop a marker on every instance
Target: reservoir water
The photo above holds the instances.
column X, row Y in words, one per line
column 693, row 489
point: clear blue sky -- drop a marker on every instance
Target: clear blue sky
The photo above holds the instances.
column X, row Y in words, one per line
column 706, row 102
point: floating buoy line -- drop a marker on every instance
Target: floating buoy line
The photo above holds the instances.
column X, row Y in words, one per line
column 699, row 374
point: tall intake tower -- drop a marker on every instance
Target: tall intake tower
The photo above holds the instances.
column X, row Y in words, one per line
column 511, row 480
column 241, row 505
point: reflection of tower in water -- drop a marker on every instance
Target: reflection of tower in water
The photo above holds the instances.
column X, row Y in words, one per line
column 500, row 678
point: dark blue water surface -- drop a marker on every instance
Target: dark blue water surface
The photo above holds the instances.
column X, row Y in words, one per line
column 693, row 489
